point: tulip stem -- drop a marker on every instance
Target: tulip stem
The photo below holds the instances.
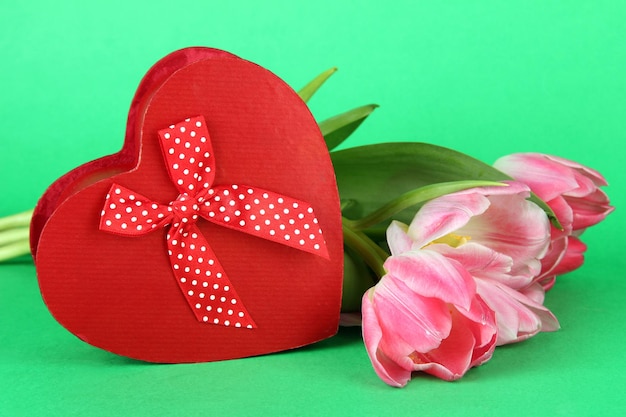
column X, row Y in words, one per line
column 14, row 235
column 16, row 220
column 373, row 255
column 14, row 249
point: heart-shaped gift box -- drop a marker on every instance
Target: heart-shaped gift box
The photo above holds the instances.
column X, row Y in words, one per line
column 215, row 233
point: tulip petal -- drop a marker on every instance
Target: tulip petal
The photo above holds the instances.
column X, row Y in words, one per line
column 547, row 179
column 430, row 274
column 480, row 261
column 445, row 215
column 518, row 316
column 453, row 357
column 389, row 371
column 409, row 320
column 398, row 239
column 513, row 226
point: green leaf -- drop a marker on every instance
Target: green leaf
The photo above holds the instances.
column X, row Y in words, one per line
column 339, row 128
column 308, row 90
column 376, row 174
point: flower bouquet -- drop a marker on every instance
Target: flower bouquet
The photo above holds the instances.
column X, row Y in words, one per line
column 444, row 257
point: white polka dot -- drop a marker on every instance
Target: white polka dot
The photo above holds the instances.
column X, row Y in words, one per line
column 287, row 237
column 129, row 209
column 171, row 151
column 182, row 129
column 189, row 292
column 108, row 223
column 302, row 242
column 112, row 206
column 205, row 318
column 118, row 191
column 181, row 156
column 198, row 305
column 124, row 225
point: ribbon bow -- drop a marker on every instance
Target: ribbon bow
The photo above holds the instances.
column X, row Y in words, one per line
column 190, row 164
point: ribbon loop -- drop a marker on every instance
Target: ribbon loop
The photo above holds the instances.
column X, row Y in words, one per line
column 188, row 156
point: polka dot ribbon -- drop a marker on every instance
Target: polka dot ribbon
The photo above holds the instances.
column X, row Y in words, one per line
column 190, row 163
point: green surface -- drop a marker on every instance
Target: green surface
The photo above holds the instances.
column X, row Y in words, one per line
column 486, row 78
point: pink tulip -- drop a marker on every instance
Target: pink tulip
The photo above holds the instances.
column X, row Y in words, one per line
column 573, row 192
column 499, row 238
column 425, row 315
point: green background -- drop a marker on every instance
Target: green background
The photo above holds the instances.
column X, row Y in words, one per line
column 487, row 78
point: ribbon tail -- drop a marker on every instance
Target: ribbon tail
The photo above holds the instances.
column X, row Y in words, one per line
column 202, row 280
